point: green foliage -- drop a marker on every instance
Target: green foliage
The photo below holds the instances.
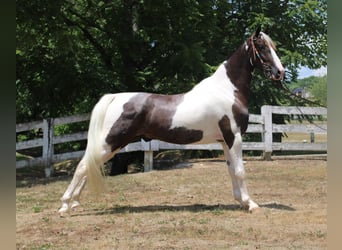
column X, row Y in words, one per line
column 69, row 53
column 319, row 90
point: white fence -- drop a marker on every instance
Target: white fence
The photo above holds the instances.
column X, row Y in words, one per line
column 261, row 124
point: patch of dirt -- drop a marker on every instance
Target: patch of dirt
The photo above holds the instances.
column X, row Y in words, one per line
column 184, row 208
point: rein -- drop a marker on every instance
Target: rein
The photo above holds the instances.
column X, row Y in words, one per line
column 290, row 95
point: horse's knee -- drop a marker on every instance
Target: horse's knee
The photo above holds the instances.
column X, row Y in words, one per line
column 237, row 170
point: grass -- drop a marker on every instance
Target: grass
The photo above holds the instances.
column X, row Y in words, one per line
column 19, row 156
column 189, row 208
column 304, row 137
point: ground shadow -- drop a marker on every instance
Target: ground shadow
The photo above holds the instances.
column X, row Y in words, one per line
column 28, row 182
column 161, row 208
column 277, row 206
column 195, row 208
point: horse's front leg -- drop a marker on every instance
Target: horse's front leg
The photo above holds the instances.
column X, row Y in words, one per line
column 237, row 172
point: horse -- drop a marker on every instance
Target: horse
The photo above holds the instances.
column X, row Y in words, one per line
column 214, row 110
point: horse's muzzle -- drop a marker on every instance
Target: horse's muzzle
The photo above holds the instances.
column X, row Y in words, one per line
column 277, row 74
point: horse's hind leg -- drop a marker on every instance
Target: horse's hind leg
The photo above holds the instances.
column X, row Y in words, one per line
column 237, row 173
column 106, row 156
column 78, row 181
column 73, row 192
column 76, row 194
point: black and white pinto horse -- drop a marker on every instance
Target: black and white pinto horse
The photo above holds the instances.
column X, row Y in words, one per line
column 215, row 110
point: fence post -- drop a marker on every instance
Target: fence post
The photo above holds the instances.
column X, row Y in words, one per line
column 48, row 128
column 148, row 155
column 148, row 161
column 266, row 112
column 312, row 137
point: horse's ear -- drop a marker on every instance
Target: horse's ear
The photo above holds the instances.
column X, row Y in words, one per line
column 267, row 29
column 257, row 32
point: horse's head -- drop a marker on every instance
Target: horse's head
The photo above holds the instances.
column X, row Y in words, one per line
column 264, row 57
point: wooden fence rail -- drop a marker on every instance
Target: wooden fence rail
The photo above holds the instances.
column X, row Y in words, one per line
column 261, row 124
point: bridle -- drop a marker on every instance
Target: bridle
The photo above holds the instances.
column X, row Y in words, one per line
column 267, row 71
column 255, row 51
column 266, row 68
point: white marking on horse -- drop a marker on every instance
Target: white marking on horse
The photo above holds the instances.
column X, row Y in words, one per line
column 208, row 101
column 276, row 60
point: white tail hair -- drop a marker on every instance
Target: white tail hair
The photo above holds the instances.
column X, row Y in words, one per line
column 93, row 156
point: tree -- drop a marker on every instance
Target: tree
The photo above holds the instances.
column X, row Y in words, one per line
column 315, row 86
column 319, row 90
column 69, row 53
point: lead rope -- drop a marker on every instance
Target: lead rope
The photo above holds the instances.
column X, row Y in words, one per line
column 288, row 91
column 290, row 95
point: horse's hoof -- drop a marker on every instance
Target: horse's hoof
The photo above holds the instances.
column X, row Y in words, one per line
column 75, row 204
column 253, row 207
column 64, row 210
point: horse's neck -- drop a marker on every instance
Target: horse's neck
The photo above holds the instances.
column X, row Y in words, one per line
column 239, row 71
column 232, row 76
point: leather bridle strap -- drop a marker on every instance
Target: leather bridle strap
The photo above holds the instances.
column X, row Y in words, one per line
column 256, row 52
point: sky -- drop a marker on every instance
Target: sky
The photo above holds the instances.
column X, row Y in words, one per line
column 306, row 72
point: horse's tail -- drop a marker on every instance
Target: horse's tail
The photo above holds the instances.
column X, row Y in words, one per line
column 94, row 151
